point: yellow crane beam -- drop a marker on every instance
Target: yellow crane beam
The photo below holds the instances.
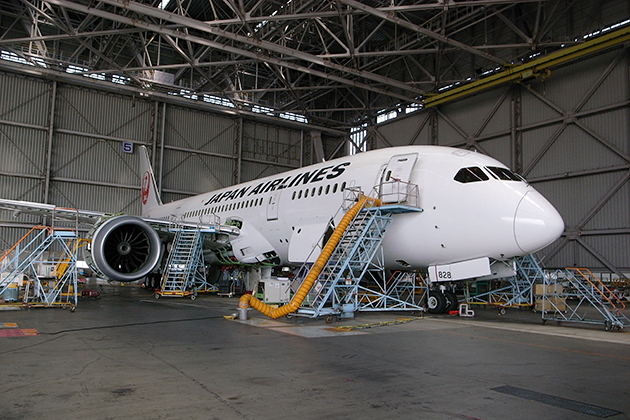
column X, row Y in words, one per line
column 538, row 67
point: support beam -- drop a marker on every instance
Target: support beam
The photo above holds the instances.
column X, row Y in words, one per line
column 406, row 24
column 316, row 139
column 49, row 146
column 253, row 42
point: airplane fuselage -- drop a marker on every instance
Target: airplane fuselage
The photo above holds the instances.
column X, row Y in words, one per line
column 472, row 207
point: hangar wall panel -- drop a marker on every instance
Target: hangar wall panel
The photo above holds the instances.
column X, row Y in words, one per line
column 196, row 130
column 26, row 149
column 411, row 130
column 490, row 114
column 569, row 134
column 96, row 197
column 611, row 126
column 75, row 157
column 24, row 100
column 104, row 114
column 195, row 173
column 264, row 142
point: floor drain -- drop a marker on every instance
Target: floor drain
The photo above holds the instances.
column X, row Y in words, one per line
column 578, row 406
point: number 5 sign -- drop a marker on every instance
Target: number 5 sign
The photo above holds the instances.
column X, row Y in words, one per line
column 127, row 147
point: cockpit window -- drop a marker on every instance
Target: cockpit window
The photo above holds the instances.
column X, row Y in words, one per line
column 472, row 174
column 504, row 174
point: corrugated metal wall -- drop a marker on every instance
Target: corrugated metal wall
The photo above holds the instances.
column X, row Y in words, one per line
column 84, row 131
column 569, row 135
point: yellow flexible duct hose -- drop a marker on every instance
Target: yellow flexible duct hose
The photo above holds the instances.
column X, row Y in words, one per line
column 250, row 300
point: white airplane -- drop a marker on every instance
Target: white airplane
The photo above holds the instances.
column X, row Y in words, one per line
column 474, row 211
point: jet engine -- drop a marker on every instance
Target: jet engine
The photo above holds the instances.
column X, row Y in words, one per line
column 125, row 248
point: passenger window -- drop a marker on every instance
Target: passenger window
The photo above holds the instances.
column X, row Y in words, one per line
column 343, row 185
column 472, row 174
column 293, row 196
column 299, row 194
column 334, row 188
column 327, row 188
column 305, row 193
column 505, row 174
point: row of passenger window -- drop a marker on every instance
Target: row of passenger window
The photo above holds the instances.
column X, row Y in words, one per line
column 225, row 207
column 318, row 191
column 477, row 174
column 258, row 201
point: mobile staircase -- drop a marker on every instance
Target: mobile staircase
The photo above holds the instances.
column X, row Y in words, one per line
column 30, row 266
column 340, row 288
column 184, row 273
column 585, row 292
column 332, row 286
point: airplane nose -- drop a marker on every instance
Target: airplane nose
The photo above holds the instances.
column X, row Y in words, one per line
column 537, row 223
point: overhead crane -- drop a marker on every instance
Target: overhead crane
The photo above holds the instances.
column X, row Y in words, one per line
column 540, row 67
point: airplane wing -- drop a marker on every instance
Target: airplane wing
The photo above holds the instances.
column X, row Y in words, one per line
column 88, row 218
column 62, row 214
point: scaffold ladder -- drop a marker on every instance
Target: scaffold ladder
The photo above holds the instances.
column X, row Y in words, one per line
column 185, row 270
column 33, row 251
column 529, row 272
column 337, row 290
column 584, row 288
column 348, row 262
column 514, row 291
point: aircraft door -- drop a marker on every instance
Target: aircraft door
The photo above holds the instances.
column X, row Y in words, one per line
column 272, row 205
column 396, row 177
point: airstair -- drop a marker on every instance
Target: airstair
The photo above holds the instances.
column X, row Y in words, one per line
column 347, row 264
column 338, row 290
column 332, row 285
column 184, row 272
column 30, row 269
column 570, row 294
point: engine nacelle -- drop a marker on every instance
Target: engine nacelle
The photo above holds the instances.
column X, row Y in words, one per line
column 125, row 248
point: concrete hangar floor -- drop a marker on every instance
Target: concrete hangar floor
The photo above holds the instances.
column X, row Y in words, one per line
column 130, row 356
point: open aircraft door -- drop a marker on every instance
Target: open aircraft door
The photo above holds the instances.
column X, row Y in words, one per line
column 395, row 178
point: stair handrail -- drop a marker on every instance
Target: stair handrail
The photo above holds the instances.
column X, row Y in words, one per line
column 249, row 300
column 614, row 307
column 408, row 190
column 23, row 238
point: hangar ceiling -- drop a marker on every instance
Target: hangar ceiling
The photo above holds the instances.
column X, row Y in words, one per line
column 334, row 63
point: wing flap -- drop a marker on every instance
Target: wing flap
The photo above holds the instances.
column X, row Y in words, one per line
column 84, row 217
